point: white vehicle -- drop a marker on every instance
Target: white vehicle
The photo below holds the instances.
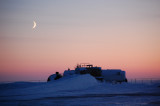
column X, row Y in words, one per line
column 114, row 75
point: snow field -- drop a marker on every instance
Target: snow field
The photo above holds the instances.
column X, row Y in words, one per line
column 78, row 90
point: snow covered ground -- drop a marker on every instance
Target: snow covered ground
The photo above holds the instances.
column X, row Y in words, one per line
column 78, row 90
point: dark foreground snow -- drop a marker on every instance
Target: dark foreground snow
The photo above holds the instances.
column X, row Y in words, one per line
column 78, row 90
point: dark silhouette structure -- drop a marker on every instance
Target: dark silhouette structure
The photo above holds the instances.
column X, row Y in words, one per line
column 58, row 76
column 54, row 76
column 107, row 75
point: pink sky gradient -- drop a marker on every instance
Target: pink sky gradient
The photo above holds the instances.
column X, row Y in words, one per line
column 114, row 35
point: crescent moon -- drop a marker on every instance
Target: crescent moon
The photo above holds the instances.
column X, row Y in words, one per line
column 34, row 24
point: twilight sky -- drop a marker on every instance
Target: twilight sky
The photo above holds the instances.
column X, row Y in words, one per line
column 113, row 34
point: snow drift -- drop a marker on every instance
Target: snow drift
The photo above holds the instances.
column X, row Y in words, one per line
column 71, row 83
column 78, row 90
